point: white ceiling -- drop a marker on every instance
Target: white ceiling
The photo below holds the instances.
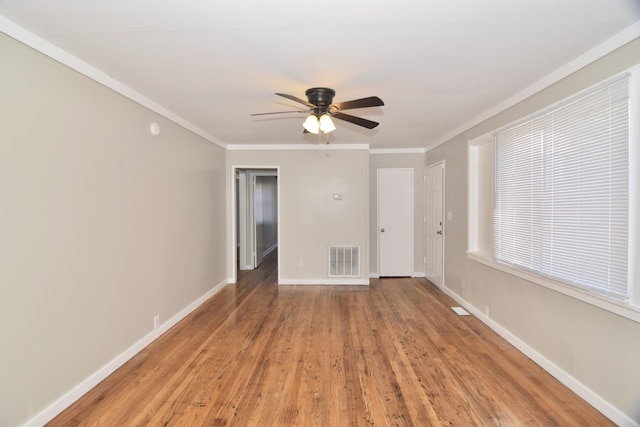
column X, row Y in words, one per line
column 437, row 64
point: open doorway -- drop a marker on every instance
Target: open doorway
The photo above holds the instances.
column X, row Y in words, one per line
column 256, row 215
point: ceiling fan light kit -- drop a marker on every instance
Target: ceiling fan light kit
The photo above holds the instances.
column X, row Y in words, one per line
column 322, row 108
column 315, row 125
column 326, row 124
column 312, row 124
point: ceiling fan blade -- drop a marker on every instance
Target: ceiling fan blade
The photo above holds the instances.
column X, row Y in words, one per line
column 280, row 112
column 355, row 120
column 294, row 98
column 371, row 101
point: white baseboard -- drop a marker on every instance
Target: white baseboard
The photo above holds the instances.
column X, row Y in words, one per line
column 614, row 414
column 328, row 281
column 269, row 250
column 375, row 275
column 94, row 379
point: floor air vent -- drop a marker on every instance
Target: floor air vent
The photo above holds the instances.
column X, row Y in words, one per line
column 461, row 311
column 344, row 261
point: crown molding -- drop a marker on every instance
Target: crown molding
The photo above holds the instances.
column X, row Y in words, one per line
column 267, row 147
column 615, row 42
column 397, row 151
column 54, row 52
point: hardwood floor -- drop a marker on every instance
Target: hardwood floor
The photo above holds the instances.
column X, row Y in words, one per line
column 393, row 353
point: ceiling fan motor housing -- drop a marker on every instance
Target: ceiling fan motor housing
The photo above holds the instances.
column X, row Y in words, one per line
column 321, row 97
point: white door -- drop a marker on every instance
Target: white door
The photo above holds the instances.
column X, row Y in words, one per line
column 395, row 222
column 245, row 250
column 434, row 227
column 257, row 220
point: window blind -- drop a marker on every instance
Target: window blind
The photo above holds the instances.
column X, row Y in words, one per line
column 561, row 205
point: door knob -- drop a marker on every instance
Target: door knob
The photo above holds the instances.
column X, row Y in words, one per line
column 439, row 232
column 382, row 230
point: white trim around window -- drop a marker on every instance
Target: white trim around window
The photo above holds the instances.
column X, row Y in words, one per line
column 481, row 161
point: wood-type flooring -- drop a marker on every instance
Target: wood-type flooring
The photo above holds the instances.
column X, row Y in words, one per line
column 389, row 354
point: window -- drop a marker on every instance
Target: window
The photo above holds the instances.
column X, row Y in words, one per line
column 554, row 198
column 562, row 192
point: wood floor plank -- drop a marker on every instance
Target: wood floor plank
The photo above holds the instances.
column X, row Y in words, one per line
column 392, row 354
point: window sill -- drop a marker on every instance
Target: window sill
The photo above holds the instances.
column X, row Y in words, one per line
column 628, row 311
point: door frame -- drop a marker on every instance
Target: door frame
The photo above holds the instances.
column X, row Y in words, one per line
column 233, row 235
column 442, row 165
column 412, row 243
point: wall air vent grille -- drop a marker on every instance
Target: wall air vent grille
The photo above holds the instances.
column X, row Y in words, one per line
column 344, row 261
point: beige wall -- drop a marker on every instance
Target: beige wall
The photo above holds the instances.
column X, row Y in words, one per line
column 599, row 349
column 102, row 227
column 414, row 161
column 310, row 220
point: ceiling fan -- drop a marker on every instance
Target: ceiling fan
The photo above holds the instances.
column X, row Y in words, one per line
column 322, row 108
